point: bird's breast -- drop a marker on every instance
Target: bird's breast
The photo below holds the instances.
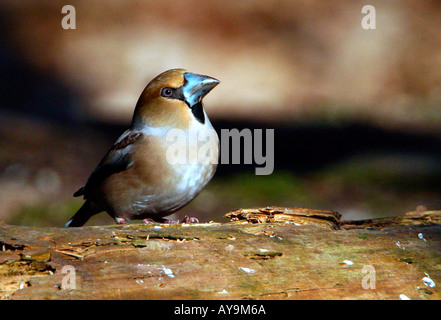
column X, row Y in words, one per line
column 172, row 167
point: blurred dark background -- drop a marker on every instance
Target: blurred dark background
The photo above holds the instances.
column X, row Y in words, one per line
column 356, row 113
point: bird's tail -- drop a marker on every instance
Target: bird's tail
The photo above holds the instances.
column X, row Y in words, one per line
column 82, row 215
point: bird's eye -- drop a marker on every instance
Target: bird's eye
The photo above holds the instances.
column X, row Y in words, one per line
column 167, row 92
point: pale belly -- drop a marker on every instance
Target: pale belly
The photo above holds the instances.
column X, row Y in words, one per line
column 188, row 182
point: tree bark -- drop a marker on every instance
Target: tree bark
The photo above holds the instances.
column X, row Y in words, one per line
column 267, row 253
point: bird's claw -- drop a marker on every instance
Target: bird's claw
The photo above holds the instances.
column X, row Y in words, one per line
column 120, row 221
column 161, row 220
column 188, row 219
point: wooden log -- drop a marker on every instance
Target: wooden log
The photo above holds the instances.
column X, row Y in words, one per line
column 266, row 253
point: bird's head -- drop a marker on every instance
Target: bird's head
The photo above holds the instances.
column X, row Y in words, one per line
column 173, row 99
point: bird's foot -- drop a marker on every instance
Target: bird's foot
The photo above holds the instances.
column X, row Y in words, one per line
column 160, row 220
column 120, row 221
column 170, row 221
column 188, row 219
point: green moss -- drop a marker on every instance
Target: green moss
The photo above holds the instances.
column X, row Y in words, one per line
column 407, row 260
column 249, row 190
column 54, row 213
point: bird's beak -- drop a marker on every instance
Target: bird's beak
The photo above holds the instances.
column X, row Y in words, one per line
column 196, row 87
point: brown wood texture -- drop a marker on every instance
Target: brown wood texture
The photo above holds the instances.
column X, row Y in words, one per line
column 266, row 253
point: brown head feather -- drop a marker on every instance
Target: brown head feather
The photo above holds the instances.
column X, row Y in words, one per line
column 156, row 111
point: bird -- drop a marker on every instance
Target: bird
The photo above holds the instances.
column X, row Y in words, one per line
column 149, row 173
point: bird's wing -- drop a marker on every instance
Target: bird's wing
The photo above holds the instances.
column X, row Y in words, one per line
column 117, row 159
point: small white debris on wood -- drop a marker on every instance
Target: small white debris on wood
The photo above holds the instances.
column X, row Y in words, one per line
column 404, row 297
column 348, row 262
column 294, row 223
column 143, row 265
column 429, row 282
column 247, row 270
column 168, row 272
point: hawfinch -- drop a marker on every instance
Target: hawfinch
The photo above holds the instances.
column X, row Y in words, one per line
column 163, row 161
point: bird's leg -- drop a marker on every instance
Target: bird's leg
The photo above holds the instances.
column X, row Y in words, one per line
column 120, row 221
column 170, row 221
column 160, row 220
column 188, row 219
